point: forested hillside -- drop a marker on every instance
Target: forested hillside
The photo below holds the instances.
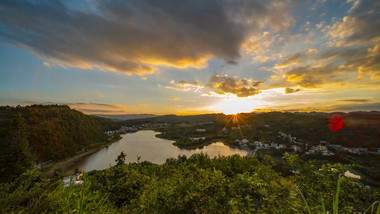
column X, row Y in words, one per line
column 51, row 132
column 360, row 129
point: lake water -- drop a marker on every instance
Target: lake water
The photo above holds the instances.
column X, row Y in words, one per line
column 150, row 148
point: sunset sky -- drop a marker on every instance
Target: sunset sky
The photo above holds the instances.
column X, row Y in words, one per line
column 192, row 56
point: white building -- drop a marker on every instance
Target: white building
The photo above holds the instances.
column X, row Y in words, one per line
column 126, row 129
column 198, row 138
column 296, row 148
column 200, row 130
column 243, row 142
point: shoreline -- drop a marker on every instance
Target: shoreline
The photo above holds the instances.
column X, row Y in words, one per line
column 64, row 164
column 202, row 144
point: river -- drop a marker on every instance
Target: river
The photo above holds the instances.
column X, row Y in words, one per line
column 150, row 148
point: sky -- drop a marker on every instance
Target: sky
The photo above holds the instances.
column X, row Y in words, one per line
column 191, row 56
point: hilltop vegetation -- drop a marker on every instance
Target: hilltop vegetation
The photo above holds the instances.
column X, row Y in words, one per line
column 51, row 132
column 198, row 184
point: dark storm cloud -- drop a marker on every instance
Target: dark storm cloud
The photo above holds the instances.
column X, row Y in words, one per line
column 223, row 84
column 134, row 36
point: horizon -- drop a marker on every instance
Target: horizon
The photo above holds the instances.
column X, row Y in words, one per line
column 258, row 111
column 190, row 58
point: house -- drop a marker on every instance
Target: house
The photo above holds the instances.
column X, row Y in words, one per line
column 257, row 144
column 74, row 179
column 198, row 138
column 243, row 142
column 273, row 145
column 200, row 130
column 336, row 146
column 327, row 153
column 319, row 149
column 354, row 151
column 225, row 130
column 296, row 148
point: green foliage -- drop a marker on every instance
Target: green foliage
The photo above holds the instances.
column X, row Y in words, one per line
column 198, row 184
column 19, row 157
column 120, row 159
column 30, row 193
column 335, row 207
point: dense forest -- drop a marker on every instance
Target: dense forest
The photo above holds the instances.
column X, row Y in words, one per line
column 41, row 133
column 198, row 184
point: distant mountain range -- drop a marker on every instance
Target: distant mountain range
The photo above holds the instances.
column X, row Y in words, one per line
column 126, row 116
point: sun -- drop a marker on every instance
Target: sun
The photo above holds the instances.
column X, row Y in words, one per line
column 235, row 105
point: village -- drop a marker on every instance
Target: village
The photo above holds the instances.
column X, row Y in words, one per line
column 321, row 148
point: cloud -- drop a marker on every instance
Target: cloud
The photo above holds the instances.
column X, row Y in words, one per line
column 356, row 100
column 348, row 61
column 357, row 107
column 320, row 25
column 351, row 53
column 223, row 84
column 186, row 86
column 97, row 106
column 292, row 90
column 360, row 26
column 136, row 36
column 90, row 107
column 296, row 58
column 47, row 64
column 367, row 64
column 290, row 60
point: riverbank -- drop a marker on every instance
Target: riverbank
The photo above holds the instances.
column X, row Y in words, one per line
column 67, row 163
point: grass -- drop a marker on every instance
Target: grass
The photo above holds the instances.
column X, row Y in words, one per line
column 335, row 208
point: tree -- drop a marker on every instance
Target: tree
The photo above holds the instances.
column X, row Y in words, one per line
column 21, row 154
column 120, row 159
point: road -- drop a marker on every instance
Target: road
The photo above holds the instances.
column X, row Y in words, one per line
column 252, row 153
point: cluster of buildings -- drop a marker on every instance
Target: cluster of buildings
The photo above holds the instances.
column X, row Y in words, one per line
column 109, row 133
column 261, row 145
column 319, row 150
column 357, row 151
